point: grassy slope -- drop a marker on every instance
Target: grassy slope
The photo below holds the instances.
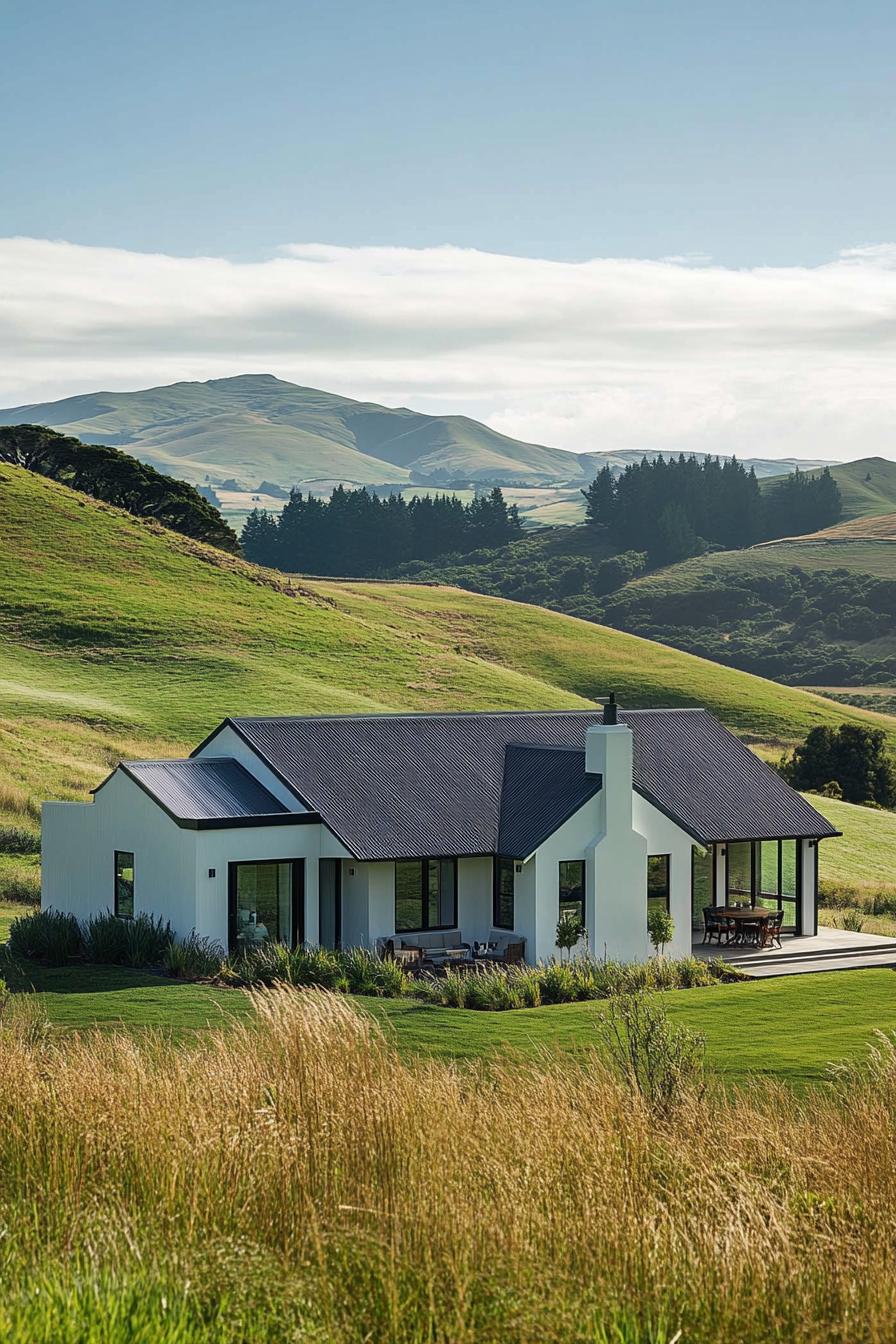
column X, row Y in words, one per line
column 117, row 635
column 671, row 596
column 880, row 526
column 861, row 497
column 865, row 855
column 790, row 1028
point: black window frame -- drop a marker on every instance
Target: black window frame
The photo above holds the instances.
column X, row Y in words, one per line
column 120, row 854
column 665, row 895
column 424, row 865
column 337, row 900
column 568, row 901
column 297, row 878
column 504, row 865
column 786, row 905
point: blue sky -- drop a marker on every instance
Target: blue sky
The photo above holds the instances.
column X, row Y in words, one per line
column 627, row 225
column 758, row 134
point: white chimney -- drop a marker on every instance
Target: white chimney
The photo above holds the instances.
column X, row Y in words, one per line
column 619, row 852
column 608, row 752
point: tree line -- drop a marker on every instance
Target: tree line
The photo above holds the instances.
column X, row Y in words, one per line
column 359, row 533
column 116, row 478
column 678, row 508
column 849, row 762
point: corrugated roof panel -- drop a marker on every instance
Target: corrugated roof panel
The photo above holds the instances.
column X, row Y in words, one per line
column 543, row 788
column 417, row 785
column 712, row 783
column 217, row 789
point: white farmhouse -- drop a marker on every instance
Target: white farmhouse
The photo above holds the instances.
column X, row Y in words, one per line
column 442, row 829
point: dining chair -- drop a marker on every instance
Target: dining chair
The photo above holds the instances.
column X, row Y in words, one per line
column 773, row 930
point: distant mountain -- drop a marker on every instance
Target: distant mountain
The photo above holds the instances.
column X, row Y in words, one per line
column 256, row 427
column 237, row 432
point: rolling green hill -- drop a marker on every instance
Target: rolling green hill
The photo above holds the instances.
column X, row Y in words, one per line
column 806, row 612
column 257, row 427
column 867, row 486
column 120, row 638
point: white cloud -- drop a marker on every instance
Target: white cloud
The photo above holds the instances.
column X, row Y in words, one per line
column 609, row 353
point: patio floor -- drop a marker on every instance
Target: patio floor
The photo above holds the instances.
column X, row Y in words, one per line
column 828, row 950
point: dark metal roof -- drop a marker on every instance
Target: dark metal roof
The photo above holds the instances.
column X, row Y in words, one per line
column 214, row 790
column 711, row 783
column 543, row 787
column 416, row 785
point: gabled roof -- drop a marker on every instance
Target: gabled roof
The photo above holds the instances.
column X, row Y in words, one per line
column 203, row 794
column 543, row 787
column 416, row 785
column 711, row 783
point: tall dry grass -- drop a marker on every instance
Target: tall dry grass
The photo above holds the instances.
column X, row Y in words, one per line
column 295, row 1179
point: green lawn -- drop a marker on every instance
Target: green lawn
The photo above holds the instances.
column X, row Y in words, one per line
column 790, row 1028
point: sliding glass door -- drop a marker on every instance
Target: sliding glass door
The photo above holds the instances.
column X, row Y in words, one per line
column 267, row 900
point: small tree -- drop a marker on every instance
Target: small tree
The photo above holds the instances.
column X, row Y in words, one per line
column 569, row 930
column 660, row 926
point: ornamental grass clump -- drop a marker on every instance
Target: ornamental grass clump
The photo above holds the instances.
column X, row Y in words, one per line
column 45, row 935
column 113, row 941
column 295, row 1177
column 194, row 958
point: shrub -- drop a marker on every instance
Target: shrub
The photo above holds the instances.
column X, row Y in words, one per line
column 493, row 989
column 527, row 983
column 661, row 927
column 568, row 932
column 316, row 966
column 147, row 941
column 111, row 941
column 18, row 840
column 557, row 982
column 451, row 990
column 45, row 935
column 366, row 973
column 193, row 958
column 852, row 920
column 661, row 1061
column 104, row 937
column 265, row 964
column 22, row 888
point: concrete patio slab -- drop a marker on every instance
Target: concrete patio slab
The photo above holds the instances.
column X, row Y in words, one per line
column 828, row 950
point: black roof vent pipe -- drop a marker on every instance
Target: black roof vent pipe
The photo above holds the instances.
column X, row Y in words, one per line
column 610, row 709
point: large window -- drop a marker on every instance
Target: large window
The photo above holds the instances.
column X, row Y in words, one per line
column 266, row 900
column 502, row 912
column 658, row 881
column 425, row 895
column 572, row 888
column 764, row 873
column 124, row 884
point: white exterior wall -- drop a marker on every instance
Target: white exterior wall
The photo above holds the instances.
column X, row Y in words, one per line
column 664, row 837
column 475, row 890
column 78, row 844
column 171, row 863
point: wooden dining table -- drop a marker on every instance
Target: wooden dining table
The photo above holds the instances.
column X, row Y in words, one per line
column 749, row 914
